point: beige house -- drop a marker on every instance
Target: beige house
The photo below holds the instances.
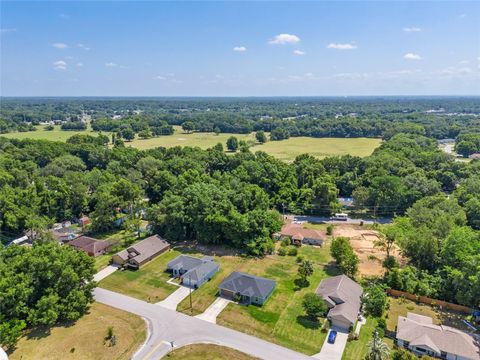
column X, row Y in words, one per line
column 299, row 235
column 343, row 298
column 141, row 252
column 418, row 334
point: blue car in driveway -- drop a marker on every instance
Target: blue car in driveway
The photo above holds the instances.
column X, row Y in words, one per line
column 332, row 336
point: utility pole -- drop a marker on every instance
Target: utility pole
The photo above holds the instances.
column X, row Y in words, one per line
column 190, row 292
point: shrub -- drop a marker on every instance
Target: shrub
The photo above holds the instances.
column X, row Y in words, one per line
column 285, row 241
column 381, row 323
column 299, row 259
column 330, row 229
column 282, row 251
column 292, row 251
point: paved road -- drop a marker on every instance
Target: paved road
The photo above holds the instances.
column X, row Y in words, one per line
column 333, row 351
column 214, row 310
column 321, row 219
column 167, row 325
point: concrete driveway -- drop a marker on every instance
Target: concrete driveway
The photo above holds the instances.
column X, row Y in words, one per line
column 175, row 298
column 214, row 310
column 333, row 351
column 102, row 274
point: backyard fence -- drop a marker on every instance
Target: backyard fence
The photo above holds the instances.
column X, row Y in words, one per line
column 430, row 301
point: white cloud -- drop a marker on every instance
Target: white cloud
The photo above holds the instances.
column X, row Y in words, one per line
column 412, row 56
column 281, row 39
column 464, row 62
column 7, row 30
column 80, row 64
column 83, row 46
column 240, row 49
column 60, row 45
column 159, row 77
column 60, row 65
column 456, row 71
column 299, row 52
column 412, row 29
column 337, row 46
column 111, row 64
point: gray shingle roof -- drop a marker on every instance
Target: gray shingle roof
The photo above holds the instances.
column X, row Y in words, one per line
column 247, row 284
column 200, row 271
column 344, row 293
column 184, row 262
column 419, row 330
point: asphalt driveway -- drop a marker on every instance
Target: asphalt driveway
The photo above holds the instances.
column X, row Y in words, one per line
column 333, row 351
column 175, row 298
column 214, row 310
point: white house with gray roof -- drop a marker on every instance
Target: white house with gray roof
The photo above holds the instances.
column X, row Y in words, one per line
column 418, row 334
column 343, row 297
column 193, row 271
column 249, row 289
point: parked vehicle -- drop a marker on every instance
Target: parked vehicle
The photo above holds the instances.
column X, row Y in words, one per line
column 332, row 336
column 340, row 217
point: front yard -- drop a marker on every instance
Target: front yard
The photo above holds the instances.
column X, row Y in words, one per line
column 357, row 349
column 149, row 283
column 207, row 351
column 281, row 319
column 85, row 339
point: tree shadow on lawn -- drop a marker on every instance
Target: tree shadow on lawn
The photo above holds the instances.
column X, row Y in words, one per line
column 300, row 284
column 307, row 322
column 193, row 247
column 332, row 269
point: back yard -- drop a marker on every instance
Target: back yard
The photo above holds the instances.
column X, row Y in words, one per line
column 84, row 340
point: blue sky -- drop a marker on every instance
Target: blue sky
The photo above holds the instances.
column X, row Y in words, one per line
column 121, row 48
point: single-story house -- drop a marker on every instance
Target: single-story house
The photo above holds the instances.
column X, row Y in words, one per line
column 343, row 298
column 299, row 235
column 418, row 334
column 141, row 252
column 247, row 288
column 91, row 246
column 63, row 232
column 193, row 271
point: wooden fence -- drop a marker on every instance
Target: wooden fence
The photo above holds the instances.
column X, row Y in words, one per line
column 430, row 301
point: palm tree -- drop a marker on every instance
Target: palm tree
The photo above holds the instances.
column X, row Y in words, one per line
column 377, row 349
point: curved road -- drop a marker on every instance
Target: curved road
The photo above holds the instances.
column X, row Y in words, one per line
column 168, row 325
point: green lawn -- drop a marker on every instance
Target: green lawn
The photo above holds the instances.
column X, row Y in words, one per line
column 285, row 150
column 149, row 283
column 281, row 320
column 357, row 349
column 207, row 351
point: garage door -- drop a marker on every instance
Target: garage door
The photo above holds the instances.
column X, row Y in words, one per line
column 227, row 294
column 343, row 324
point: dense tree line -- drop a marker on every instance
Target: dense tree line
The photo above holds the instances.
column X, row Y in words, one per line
column 285, row 117
column 41, row 286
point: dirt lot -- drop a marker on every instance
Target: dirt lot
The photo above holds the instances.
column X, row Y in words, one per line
column 362, row 241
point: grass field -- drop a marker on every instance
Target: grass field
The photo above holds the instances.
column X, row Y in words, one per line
column 207, row 351
column 285, row 150
column 85, row 339
column 357, row 349
column 149, row 283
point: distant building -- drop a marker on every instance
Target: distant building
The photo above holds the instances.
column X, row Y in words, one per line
column 91, row 246
column 475, row 156
column 299, row 235
column 141, row 252
column 193, row 271
column 24, row 240
column 249, row 289
column 418, row 334
column 84, row 221
column 343, row 297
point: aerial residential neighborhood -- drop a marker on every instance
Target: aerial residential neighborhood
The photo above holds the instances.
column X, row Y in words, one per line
column 239, row 180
